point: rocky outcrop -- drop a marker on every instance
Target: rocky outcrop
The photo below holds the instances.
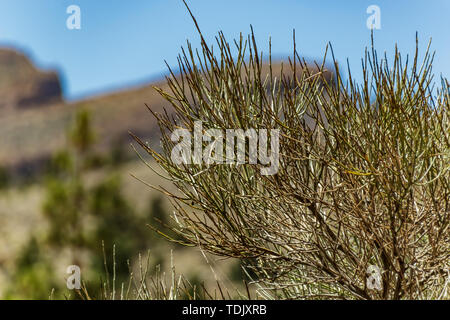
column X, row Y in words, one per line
column 22, row 85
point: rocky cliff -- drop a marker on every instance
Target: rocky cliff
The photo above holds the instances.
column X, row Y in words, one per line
column 22, row 85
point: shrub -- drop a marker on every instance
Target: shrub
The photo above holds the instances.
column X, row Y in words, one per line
column 80, row 217
column 82, row 136
column 363, row 175
column 32, row 277
column 4, row 178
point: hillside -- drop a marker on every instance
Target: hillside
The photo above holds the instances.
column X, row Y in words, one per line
column 34, row 119
column 23, row 86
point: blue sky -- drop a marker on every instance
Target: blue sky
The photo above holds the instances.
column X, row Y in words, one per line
column 124, row 43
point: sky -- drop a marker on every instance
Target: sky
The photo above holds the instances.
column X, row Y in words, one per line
column 123, row 44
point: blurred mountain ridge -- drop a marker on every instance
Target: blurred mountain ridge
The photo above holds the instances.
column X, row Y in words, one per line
column 23, row 86
column 35, row 119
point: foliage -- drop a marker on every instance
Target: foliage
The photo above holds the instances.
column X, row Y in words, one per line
column 82, row 135
column 363, row 177
column 33, row 276
column 4, row 178
column 145, row 285
column 79, row 217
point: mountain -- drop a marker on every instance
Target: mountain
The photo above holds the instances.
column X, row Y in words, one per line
column 34, row 118
column 23, row 86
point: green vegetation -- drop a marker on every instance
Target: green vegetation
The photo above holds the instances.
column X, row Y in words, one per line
column 80, row 217
column 4, row 178
column 363, row 178
column 363, row 181
column 33, row 276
